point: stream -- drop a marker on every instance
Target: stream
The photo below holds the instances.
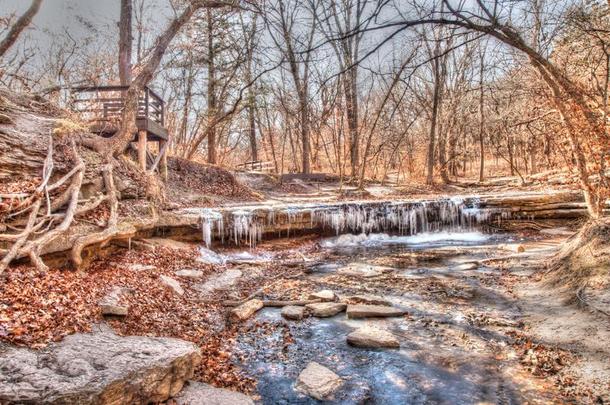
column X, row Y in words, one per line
column 452, row 346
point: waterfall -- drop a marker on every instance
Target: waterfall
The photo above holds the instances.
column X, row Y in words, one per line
column 248, row 224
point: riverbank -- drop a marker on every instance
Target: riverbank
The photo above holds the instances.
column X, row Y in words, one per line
column 470, row 330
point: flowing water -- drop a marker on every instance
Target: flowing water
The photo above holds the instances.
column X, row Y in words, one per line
column 445, row 357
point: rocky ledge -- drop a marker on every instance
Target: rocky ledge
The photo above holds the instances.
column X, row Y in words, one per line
column 97, row 368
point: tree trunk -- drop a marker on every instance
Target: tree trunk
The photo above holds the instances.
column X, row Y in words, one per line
column 211, row 90
column 125, row 41
column 481, row 123
column 433, row 120
column 351, row 111
column 121, row 140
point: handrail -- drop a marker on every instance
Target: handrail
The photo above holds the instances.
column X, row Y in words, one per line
column 150, row 104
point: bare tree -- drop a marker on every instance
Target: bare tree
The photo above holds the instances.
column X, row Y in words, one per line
column 21, row 24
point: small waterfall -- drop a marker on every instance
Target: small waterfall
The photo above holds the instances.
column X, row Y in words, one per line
column 248, row 224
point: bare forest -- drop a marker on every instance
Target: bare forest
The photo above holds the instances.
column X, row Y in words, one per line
column 295, row 201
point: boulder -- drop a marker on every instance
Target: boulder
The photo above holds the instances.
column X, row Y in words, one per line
column 366, row 299
column 325, row 309
column 246, row 310
column 189, row 273
column 318, row 381
column 371, row 337
column 293, row 312
column 110, row 304
column 197, row 393
column 368, row 311
column 173, row 284
column 324, row 295
column 98, row 368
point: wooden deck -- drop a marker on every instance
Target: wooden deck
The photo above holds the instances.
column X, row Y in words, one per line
column 101, row 107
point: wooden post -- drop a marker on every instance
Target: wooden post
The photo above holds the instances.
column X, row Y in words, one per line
column 142, row 148
column 163, row 162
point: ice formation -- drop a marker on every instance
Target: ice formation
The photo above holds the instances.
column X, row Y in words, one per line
column 246, row 225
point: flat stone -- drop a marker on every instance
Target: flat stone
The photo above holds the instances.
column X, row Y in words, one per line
column 366, row 311
column 198, row 393
column 246, row 310
column 324, row 295
column 467, row 266
column 293, row 312
column 218, row 282
column 366, row 299
column 110, row 304
column 98, row 368
column 173, row 284
column 318, row 381
column 364, row 270
column 513, row 247
column 141, row 267
column 371, row 337
column 189, row 273
column 326, row 309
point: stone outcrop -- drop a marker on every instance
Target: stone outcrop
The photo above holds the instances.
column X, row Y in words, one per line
column 372, row 311
column 293, row 312
column 98, row 368
column 325, row 309
column 371, row 337
column 318, row 381
column 197, row 393
column 174, row 285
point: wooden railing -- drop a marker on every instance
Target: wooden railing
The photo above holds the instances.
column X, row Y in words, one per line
column 106, row 103
column 257, row 166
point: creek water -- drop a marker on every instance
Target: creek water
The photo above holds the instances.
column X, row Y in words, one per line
column 446, row 356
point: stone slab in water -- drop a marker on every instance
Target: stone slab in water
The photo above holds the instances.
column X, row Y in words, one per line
column 325, row 309
column 293, row 312
column 318, row 381
column 467, row 266
column 364, row 270
column 370, row 311
column 98, row 368
column 371, row 337
column 197, row 393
